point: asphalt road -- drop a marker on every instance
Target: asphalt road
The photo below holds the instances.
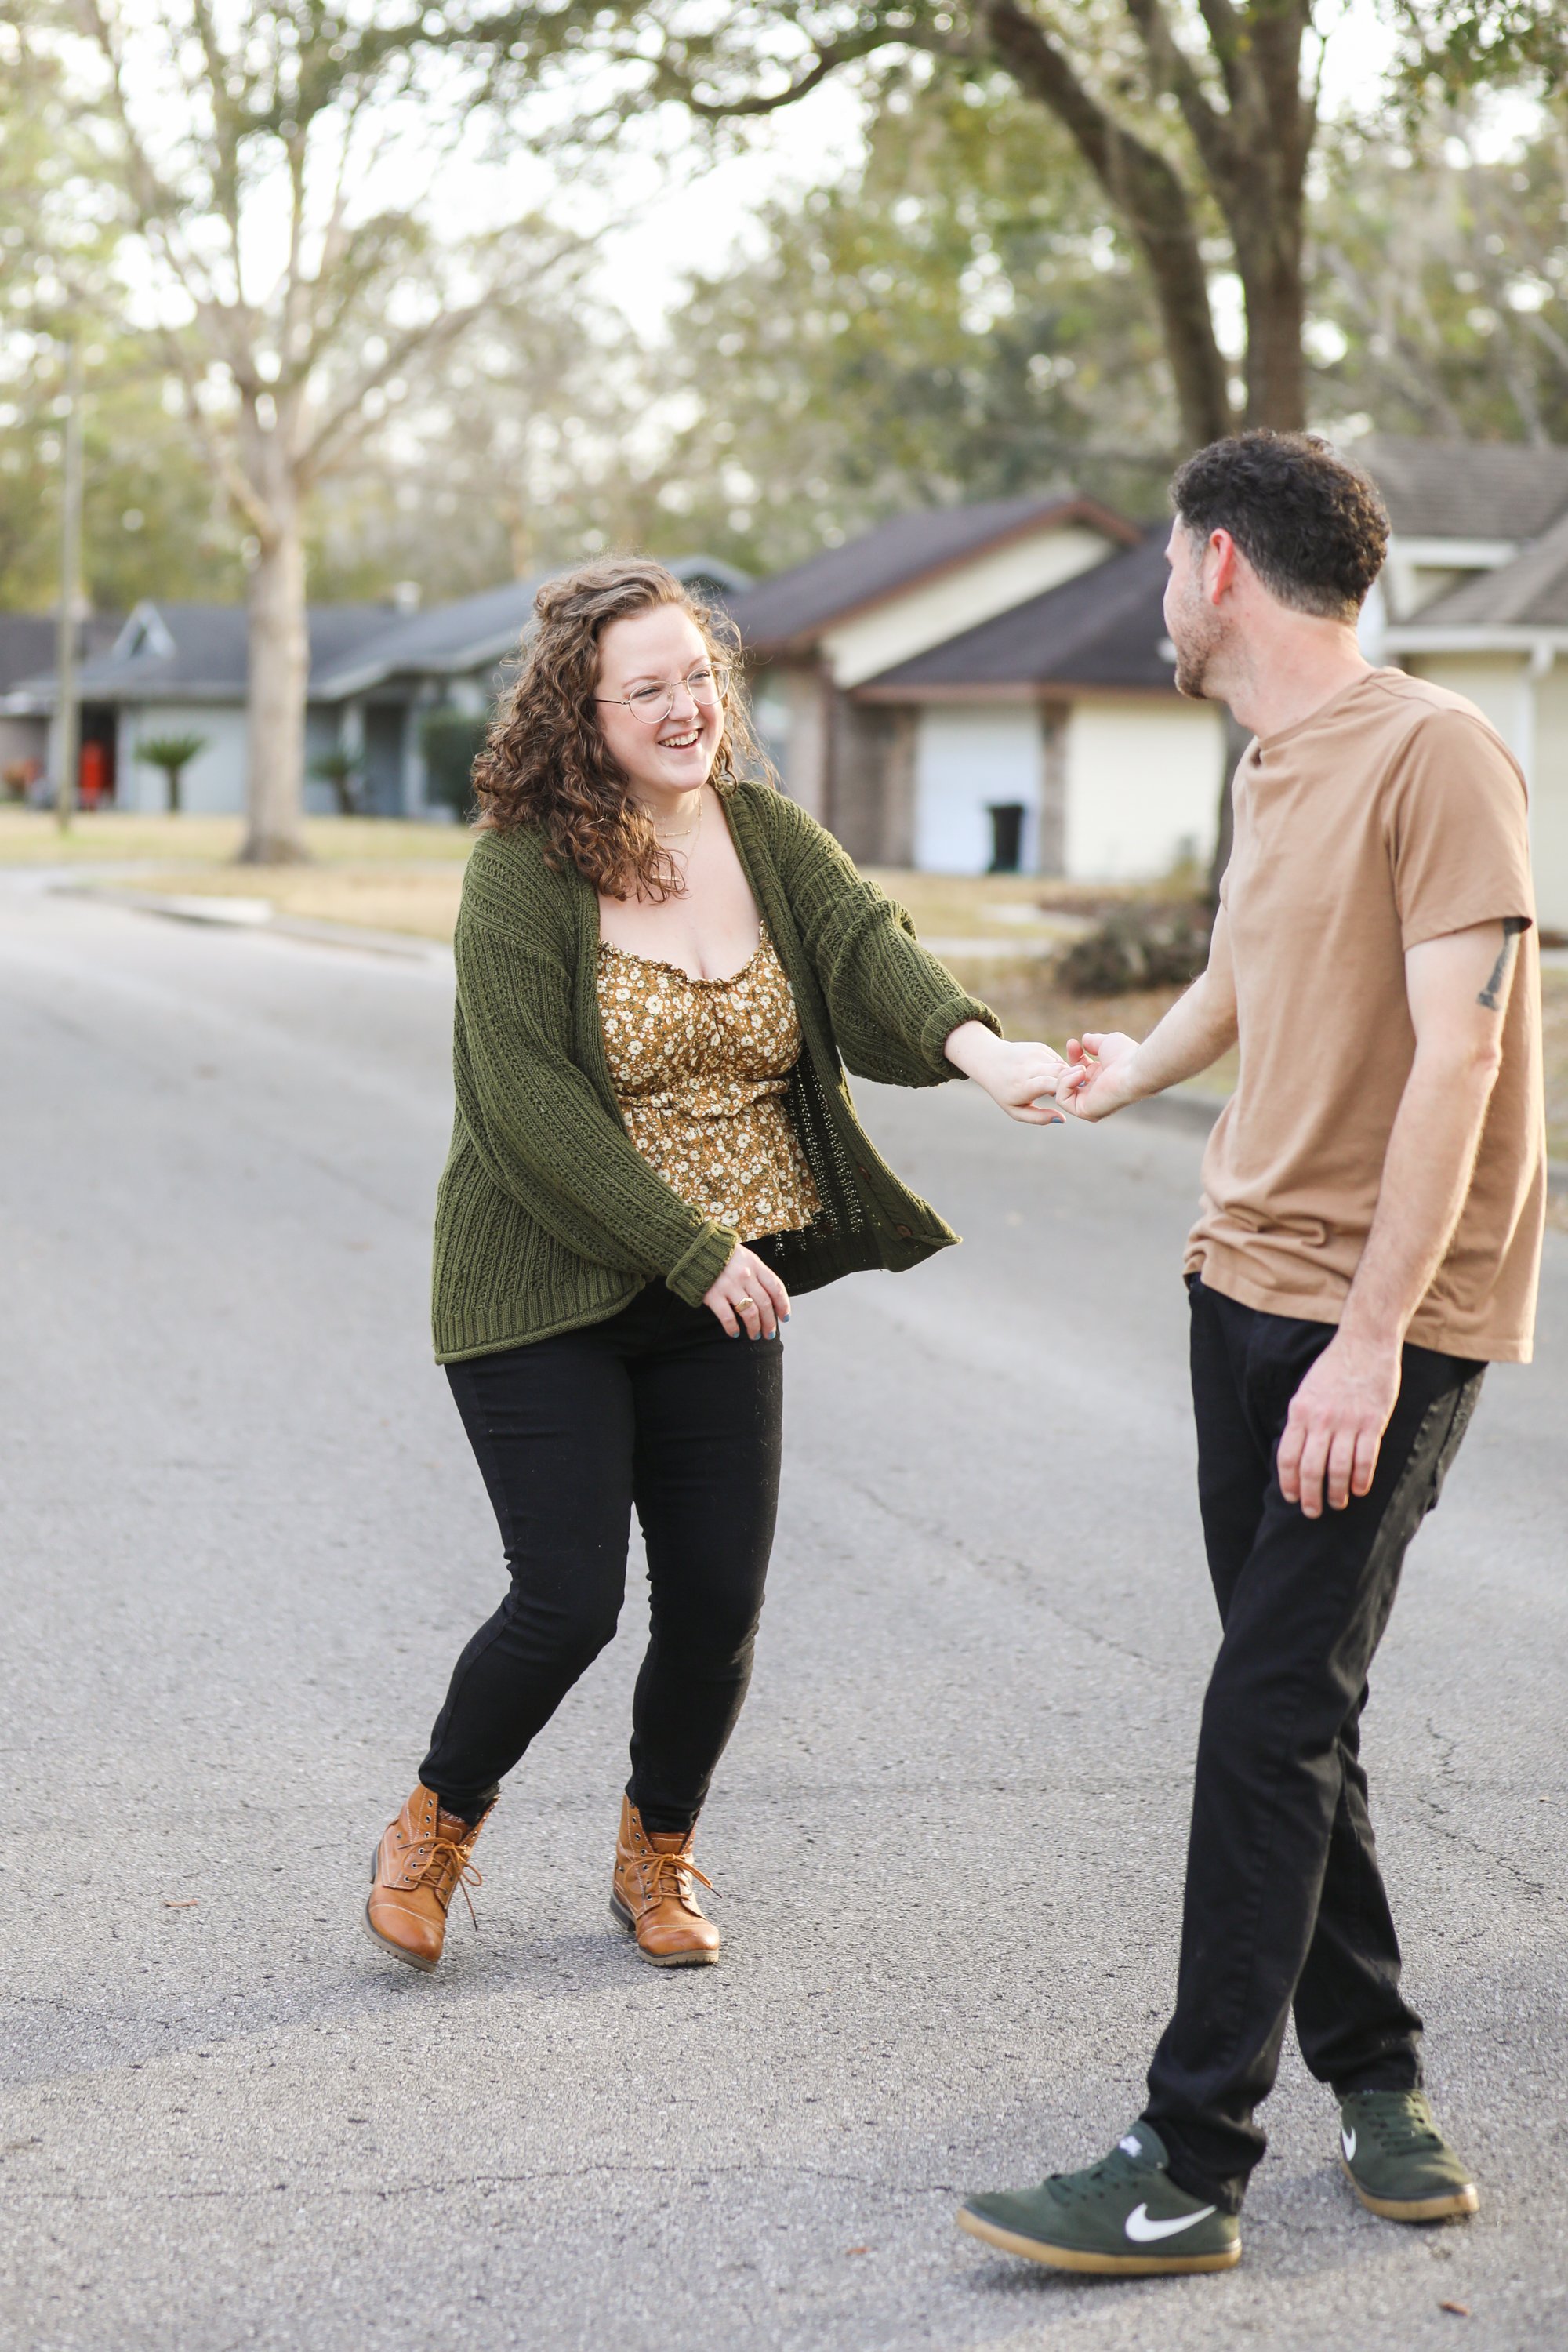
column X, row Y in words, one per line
column 243, row 1539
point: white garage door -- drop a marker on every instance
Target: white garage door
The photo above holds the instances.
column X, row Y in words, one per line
column 969, row 760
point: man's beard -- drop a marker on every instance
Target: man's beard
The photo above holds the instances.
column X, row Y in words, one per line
column 1195, row 648
column 1192, row 669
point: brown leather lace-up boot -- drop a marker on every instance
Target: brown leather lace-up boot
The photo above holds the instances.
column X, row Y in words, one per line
column 423, row 1856
column 653, row 1895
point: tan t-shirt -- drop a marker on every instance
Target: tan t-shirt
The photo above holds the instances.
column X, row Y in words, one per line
column 1393, row 816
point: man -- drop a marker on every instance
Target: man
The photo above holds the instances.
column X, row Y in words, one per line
column 1369, row 1241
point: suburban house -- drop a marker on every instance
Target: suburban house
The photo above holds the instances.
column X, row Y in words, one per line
column 991, row 685
column 376, row 672
column 988, row 686
column 965, row 689
column 27, row 643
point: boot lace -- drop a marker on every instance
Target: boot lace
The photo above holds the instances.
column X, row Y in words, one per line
column 669, row 1874
column 449, row 1868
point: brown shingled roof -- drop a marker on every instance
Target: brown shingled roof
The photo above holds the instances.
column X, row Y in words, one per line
column 1466, row 489
column 1102, row 627
column 1530, row 592
column 796, row 606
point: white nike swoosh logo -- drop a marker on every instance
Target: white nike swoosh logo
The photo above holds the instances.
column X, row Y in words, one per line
column 1143, row 2233
column 1347, row 2141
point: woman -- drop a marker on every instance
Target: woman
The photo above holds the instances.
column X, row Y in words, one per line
column 662, row 968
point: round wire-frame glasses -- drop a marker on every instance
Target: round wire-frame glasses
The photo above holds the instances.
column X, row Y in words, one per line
column 707, row 684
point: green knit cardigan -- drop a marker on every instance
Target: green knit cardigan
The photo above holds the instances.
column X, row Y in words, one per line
column 547, row 1217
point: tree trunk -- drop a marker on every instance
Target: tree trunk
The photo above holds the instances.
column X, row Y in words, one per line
column 1148, row 194
column 1267, row 234
column 1276, row 368
column 1174, row 262
column 274, row 714
column 1259, row 175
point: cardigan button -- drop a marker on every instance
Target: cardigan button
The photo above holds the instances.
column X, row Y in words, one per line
column 905, row 1233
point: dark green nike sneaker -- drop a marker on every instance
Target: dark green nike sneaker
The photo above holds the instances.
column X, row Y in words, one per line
column 1399, row 2163
column 1124, row 2217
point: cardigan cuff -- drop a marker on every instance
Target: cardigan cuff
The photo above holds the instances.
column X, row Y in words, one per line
column 693, row 1275
column 940, row 1025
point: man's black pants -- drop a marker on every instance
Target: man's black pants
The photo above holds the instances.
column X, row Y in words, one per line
column 655, row 1408
column 1285, row 1905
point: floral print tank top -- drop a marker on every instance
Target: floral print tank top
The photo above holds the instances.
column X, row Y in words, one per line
column 701, row 1070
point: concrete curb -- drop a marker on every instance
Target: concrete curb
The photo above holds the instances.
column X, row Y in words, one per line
column 406, row 945
column 236, row 913
column 182, row 907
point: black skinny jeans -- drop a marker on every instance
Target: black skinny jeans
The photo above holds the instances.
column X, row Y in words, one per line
column 657, row 1409
column 1285, row 1905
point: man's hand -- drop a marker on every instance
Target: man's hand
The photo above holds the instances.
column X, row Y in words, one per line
column 1105, row 1073
column 1336, row 1423
column 1021, row 1078
column 1096, row 1075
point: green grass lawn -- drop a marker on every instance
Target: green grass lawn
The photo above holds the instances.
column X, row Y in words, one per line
column 106, row 836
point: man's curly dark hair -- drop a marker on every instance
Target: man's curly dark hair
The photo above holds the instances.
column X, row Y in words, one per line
column 1312, row 526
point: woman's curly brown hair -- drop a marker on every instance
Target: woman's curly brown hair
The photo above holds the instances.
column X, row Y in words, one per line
column 544, row 762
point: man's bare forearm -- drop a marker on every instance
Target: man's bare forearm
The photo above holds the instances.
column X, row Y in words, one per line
column 1425, row 1177
column 1458, row 988
column 1199, row 1027
column 1109, row 1070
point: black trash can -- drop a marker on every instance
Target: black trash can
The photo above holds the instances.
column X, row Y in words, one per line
column 1006, row 835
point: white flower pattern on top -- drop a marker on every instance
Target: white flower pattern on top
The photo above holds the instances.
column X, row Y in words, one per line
column 701, row 1070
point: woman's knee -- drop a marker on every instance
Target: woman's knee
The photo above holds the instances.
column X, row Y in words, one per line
column 716, row 1639
column 571, row 1621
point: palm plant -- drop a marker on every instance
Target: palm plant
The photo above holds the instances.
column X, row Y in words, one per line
column 174, row 754
column 340, row 769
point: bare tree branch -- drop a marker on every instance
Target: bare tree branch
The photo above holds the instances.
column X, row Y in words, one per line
column 1148, row 191
column 260, row 103
column 1144, row 184
column 1172, row 69
column 829, row 60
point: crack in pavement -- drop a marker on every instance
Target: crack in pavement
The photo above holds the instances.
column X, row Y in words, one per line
column 986, row 1562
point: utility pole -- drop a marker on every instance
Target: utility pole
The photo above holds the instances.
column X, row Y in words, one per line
column 67, row 727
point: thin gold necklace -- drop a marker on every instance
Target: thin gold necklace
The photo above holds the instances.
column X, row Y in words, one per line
column 670, row 840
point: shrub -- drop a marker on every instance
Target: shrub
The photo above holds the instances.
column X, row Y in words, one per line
column 1151, row 943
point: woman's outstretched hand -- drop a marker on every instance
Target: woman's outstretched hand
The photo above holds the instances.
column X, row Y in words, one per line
column 748, row 1297
column 1021, row 1077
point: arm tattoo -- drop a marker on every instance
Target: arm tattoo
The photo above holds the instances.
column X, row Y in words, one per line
column 1511, row 926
